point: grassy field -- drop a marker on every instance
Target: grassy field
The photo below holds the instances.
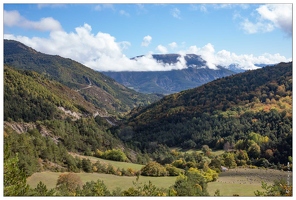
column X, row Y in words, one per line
column 244, row 182
column 240, row 181
column 116, row 164
column 111, row 181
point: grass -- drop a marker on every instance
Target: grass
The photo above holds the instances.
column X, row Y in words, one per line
column 244, row 181
column 111, row 181
column 240, row 181
column 229, row 189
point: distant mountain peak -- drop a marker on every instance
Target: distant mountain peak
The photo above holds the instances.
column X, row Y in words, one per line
column 194, row 74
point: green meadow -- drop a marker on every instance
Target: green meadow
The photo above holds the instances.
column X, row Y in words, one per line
column 111, row 181
column 239, row 181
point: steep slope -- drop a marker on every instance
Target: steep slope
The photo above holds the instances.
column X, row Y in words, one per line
column 167, row 82
column 29, row 96
column 96, row 88
column 224, row 110
column 44, row 120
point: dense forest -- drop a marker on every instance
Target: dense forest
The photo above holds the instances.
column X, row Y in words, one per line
column 219, row 114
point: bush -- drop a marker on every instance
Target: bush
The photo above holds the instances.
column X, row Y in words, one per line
column 172, row 171
column 114, row 154
column 153, row 169
column 94, row 189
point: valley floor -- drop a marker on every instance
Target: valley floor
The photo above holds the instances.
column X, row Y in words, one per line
column 240, row 181
column 244, row 181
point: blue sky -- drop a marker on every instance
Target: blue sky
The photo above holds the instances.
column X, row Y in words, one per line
column 105, row 36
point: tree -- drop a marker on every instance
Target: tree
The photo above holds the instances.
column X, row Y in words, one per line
column 153, row 169
column 254, row 151
column 15, row 183
column 86, row 165
column 191, row 184
column 144, row 190
column 216, row 164
column 241, row 157
column 229, row 160
column 68, row 183
column 41, row 190
column 278, row 188
column 268, row 153
column 115, row 154
column 172, row 171
column 94, row 189
column 188, row 144
column 206, row 150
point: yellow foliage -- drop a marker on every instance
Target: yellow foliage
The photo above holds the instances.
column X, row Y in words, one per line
column 98, row 153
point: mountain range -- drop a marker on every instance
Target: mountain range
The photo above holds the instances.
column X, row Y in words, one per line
column 195, row 74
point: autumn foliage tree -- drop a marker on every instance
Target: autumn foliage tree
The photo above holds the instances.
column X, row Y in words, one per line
column 153, row 169
column 68, row 183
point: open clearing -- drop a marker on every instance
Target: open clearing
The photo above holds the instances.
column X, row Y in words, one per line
column 240, row 181
column 111, row 181
column 244, row 181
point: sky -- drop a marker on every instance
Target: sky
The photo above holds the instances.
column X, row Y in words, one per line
column 105, row 36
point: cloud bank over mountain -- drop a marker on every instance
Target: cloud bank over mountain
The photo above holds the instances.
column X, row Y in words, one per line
column 100, row 51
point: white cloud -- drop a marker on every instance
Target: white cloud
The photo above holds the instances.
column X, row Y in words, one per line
column 146, row 41
column 173, row 45
column 124, row 45
column 230, row 5
column 103, row 6
column 176, row 13
column 271, row 16
column 251, row 28
column 198, row 7
column 124, row 13
column 223, row 6
column 98, row 51
column 98, row 8
column 203, row 8
column 279, row 14
column 225, row 58
column 102, row 52
column 13, row 18
column 161, row 49
column 53, row 5
column 207, row 53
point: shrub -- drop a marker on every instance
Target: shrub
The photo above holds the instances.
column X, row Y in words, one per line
column 114, row 154
column 172, row 171
column 153, row 169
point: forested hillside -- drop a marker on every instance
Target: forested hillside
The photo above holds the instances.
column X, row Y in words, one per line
column 95, row 87
column 29, row 96
column 44, row 120
column 221, row 114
